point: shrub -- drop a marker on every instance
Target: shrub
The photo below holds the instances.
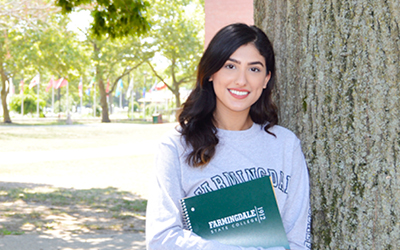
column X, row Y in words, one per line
column 30, row 104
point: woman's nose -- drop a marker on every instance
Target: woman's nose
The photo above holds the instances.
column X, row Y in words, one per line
column 241, row 79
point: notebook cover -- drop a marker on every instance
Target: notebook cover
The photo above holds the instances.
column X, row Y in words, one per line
column 245, row 215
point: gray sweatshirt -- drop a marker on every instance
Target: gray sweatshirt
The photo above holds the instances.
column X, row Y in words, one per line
column 240, row 156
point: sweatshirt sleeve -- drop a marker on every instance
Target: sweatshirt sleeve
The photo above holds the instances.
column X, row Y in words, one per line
column 296, row 214
column 164, row 221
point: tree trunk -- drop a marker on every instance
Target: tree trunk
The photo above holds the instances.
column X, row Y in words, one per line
column 102, row 90
column 103, row 102
column 4, row 93
column 177, row 97
column 6, row 113
column 338, row 89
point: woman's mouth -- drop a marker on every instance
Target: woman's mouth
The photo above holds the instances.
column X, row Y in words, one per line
column 238, row 93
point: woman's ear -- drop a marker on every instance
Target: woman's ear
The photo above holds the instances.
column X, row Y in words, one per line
column 210, row 79
column 267, row 78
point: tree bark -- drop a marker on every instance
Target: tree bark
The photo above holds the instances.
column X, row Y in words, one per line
column 338, row 90
column 4, row 93
column 100, row 83
column 177, row 97
column 103, row 100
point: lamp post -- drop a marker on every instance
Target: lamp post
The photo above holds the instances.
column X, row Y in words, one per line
column 81, row 95
column 69, row 121
column 22, row 94
column 130, row 93
column 127, row 93
column 144, row 96
column 37, row 98
column 94, row 97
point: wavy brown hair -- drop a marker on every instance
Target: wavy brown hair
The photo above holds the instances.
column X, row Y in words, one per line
column 197, row 116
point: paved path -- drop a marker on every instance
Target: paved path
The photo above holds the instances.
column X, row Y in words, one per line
column 131, row 241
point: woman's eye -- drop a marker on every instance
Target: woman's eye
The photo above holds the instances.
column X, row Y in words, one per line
column 255, row 69
column 230, row 66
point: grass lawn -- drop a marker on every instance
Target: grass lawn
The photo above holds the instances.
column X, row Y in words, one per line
column 97, row 181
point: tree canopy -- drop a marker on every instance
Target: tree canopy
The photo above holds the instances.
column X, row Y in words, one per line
column 115, row 18
column 18, row 16
column 179, row 38
column 40, row 40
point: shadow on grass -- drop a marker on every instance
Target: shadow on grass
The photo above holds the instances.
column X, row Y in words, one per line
column 39, row 123
column 79, row 121
column 33, row 208
column 115, row 241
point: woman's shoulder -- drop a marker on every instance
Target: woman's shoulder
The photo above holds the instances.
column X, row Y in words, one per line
column 282, row 130
column 172, row 138
column 171, row 135
column 282, row 133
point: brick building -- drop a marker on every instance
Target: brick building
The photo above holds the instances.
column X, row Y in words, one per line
column 220, row 13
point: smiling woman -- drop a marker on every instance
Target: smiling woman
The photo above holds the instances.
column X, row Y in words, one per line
column 228, row 131
column 237, row 86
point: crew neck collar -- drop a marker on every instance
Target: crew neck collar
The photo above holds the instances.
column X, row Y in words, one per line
column 239, row 134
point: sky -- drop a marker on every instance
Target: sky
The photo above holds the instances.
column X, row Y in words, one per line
column 80, row 21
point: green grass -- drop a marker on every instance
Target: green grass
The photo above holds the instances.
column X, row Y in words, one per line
column 7, row 232
column 109, row 198
column 32, row 123
column 38, row 137
column 104, row 193
column 53, row 121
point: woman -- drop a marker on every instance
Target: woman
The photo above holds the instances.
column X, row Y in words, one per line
column 228, row 135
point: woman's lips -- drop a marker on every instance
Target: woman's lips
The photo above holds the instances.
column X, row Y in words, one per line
column 239, row 93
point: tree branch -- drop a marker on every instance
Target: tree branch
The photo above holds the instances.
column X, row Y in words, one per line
column 159, row 77
column 126, row 72
column 28, row 12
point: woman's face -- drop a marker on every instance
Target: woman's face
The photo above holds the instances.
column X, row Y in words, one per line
column 240, row 82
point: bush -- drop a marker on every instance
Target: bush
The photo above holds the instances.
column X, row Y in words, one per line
column 98, row 111
column 135, row 106
column 30, row 104
column 151, row 109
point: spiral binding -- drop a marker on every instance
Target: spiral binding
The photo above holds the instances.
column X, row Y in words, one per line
column 186, row 217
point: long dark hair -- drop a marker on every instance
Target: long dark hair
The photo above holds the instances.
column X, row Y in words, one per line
column 197, row 119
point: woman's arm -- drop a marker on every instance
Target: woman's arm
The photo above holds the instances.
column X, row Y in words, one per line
column 164, row 222
column 296, row 214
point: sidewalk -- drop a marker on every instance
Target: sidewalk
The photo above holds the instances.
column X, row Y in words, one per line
column 124, row 241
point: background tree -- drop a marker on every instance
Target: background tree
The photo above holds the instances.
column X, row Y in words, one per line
column 338, row 89
column 17, row 14
column 178, row 33
column 112, row 18
column 117, row 20
column 53, row 51
column 112, row 60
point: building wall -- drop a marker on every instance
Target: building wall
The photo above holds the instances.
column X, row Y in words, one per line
column 220, row 13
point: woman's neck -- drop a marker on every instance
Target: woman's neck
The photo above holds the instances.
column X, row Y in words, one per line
column 233, row 122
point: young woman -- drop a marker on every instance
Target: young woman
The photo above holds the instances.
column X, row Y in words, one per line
column 228, row 134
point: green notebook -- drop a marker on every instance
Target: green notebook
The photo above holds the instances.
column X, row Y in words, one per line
column 245, row 215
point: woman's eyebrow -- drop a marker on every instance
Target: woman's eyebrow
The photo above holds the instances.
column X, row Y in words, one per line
column 234, row 60
column 257, row 62
column 251, row 63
